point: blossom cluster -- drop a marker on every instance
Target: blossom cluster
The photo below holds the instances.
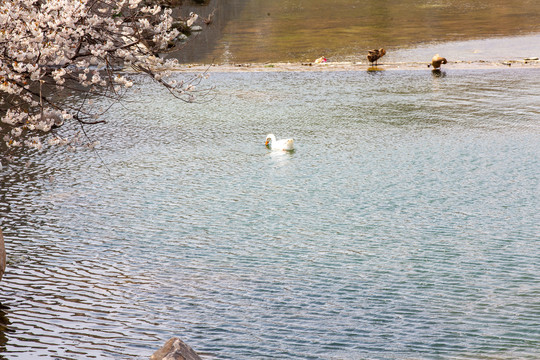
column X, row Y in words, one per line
column 51, row 47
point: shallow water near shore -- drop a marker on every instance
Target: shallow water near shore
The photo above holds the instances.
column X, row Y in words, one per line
column 405, row 224
column 343, row 30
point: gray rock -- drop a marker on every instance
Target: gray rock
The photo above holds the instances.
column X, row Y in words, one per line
column 175, row 349
column 196, row 28
column 2, row 255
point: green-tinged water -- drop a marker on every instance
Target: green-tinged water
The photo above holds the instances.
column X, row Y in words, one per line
column 343, row 30
column 405, row 224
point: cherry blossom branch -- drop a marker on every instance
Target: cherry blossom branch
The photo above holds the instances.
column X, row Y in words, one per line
column 49, row 48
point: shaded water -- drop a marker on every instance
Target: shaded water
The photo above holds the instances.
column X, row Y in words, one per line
column 405, row 225
column 300, row 30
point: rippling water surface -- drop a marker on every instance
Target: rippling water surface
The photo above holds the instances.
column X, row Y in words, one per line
column 405, row 225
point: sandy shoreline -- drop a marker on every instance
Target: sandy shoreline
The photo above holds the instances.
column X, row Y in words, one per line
column 510, row 52
column 357, row 66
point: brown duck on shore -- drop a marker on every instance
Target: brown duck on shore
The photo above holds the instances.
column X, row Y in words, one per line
column 374, row 55
column 436, row 62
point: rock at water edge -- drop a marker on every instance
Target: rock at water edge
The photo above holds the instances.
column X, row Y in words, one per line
column 2, row 255
column 175, row 349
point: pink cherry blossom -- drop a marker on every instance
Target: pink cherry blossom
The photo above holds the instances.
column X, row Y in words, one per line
column 83, row 45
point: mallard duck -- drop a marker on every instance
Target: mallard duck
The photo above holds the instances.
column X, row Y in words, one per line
column 283, row 144
column 374, row 55
column 436, row 62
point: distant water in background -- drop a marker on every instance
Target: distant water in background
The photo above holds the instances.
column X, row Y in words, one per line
column 343, row 30
column 405, row 225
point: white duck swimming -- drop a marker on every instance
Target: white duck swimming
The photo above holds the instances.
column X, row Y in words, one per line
column 283, row 144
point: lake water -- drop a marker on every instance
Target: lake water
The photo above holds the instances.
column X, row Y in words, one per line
column 343, row 30
column 405, row 224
